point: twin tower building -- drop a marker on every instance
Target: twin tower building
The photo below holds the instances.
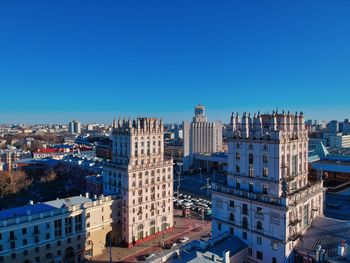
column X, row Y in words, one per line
column 267, row 200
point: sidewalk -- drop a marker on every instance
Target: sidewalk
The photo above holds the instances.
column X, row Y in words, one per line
column 182, row 228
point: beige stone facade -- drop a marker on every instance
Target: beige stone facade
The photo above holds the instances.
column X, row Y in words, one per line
column 143, row 178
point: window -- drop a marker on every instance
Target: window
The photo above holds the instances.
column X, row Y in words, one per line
column 219, row 226
column 264, row 189
column 58, row 243
column 237, row 169
column 13, row 255
column 232, row 203
column 238, row 184
column 265, row 158
column 24, row 231
column 12, row 235
column 274, row 260
column 259, row 225
column 259, row 210
column 274, row 245
column 245, row 222
column 68, row 225
column 265, row 172
column 251, row 158
column 258, row 240
column 25, row 242
column 1, row 248
column 37, row 249
column 232, row 217
column 13, row 244
column 25, row 252
column 251, row 171
column 244, row 235
column 259, row 255
column 245, row 209
column 251, row 187
column 238, row 156
column 231, row 231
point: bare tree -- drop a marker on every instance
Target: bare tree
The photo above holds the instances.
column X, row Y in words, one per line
column 13, row 182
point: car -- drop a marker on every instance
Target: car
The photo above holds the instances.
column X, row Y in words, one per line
column 174, row 245
column 150, row 256
column 186, row 205
column 184, row 239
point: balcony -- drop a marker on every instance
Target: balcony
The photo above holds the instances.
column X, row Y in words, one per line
column 301, row 194
column 268, row 199
column 294, row 236
column 294, row 222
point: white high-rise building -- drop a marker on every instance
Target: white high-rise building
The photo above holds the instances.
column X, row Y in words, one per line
column 74, row 127
column 268, row 201
column 200, row 136
column 143, row 178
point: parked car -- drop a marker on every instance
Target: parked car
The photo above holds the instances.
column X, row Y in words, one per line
column 184, row 239
column 150, row 256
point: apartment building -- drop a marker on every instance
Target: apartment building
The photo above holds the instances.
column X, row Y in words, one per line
column 142, row 176
column 267, row 201
column 63, row 230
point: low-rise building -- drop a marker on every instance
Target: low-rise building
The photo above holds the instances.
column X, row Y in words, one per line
column 63, row 230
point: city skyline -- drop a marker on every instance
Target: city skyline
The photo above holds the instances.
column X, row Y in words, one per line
column 92, row 62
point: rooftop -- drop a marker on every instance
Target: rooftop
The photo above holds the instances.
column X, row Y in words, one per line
column 327, row 232
column 197, row 255
column 42, row 207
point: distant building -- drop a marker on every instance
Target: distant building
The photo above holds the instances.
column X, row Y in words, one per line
column 144, row 178
column 54, row 153
column 9, row 157
column 74, row 127
column 339, row 140
column 333, row 127
column 267, row 201
column 200, row 136
column 65, row 230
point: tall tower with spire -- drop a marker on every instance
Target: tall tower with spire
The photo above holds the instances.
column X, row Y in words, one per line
column 143, row 178
column 200, row 136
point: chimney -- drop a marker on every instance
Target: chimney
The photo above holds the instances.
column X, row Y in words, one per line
column 318, row 252
column 342, row 249
column 226, row 256
column 87, row 195
column 31, row 202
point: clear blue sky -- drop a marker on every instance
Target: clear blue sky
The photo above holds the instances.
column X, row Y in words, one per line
column 91, row 60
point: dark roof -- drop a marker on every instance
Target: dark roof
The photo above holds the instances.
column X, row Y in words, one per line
column 328, row 233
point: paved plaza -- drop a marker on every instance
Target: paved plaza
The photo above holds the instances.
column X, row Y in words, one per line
column 193, row 228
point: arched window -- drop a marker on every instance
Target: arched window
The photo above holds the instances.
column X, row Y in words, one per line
column 245, row 222
column 152, row 227
column 274, row 260
column 140, row 232
column 232, row 217
column 259, row 225
column 251, row 158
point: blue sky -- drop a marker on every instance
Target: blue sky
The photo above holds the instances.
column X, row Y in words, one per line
column 91, row 60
